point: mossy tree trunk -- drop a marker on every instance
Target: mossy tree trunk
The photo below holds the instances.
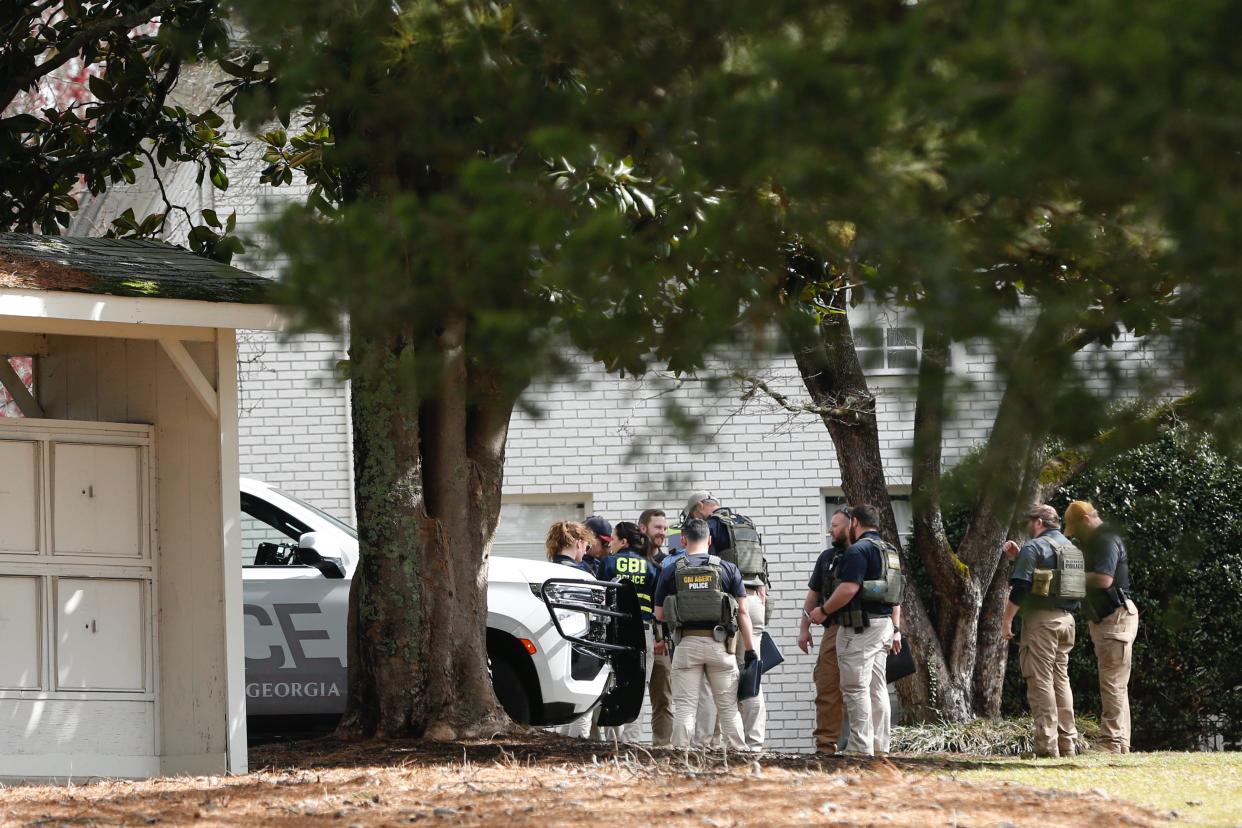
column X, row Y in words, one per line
column 428, row 477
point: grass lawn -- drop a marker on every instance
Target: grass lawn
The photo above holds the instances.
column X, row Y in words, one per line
column 1202, row 788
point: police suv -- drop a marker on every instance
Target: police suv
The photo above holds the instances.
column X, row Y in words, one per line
column 558, row 642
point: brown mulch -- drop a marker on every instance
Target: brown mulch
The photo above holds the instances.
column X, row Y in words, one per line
column 537, row 779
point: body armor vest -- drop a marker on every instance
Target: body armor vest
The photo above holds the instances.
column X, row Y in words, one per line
column 885, row 589
column 700, row 600
column 745, row 545
column 1067, row 580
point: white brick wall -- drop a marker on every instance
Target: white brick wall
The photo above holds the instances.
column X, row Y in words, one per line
column 607, row 436
column 294, row 418
column 602, row 435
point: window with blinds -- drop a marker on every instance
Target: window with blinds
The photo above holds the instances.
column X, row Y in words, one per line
column 523, row 525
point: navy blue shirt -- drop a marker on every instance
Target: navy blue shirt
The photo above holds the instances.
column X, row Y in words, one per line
column 568, row 561
column 591, row 564
column 719, row 534
column 628, row 565
column 820, row 581
column 862, row 562
column 730, row 578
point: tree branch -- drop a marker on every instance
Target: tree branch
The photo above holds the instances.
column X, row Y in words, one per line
column 1127, row 434
column 168, row 205
column 838, row 412
column 74, row 46
column 950, row 577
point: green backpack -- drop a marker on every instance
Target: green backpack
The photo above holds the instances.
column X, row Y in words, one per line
column 745, row 545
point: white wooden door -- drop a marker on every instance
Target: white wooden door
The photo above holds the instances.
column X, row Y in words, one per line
column 100, row 634
column 96, row 501
column 19, row 497
column 20, row 633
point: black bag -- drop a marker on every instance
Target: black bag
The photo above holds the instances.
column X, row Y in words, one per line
column 770, row 655
column 749, row 680
column 899, row 665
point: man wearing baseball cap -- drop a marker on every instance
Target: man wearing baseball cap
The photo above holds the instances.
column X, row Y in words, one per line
column 1112, row 617
column 705, row 506
column 1047, row 631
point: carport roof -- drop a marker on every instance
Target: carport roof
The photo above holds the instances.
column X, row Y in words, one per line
column 122, row 267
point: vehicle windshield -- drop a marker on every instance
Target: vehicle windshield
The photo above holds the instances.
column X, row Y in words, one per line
column 339, row 524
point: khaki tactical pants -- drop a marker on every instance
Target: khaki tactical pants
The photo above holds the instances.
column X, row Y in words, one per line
column 660, row 686
column 1043, row 655
column 828, row 706
column 579, row 728
column 754, row 711
column 864, row 685
column 1113, row 639
column 696, row 658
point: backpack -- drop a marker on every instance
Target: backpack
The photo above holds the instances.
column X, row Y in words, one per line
column 745, row 545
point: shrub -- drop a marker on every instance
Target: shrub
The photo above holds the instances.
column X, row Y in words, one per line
column 1178, row 504
column 982, row 737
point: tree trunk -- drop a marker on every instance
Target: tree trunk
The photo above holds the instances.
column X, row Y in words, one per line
column 955, row 636
column 428, row 480
column 834, row 378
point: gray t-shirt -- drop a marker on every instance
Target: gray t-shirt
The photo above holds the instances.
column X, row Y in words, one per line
column 1037, row 554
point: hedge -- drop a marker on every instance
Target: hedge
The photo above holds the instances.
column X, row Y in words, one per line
column 1178, row 504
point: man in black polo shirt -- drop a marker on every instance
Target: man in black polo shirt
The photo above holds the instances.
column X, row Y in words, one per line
column 868, row 631
column 1113, row 617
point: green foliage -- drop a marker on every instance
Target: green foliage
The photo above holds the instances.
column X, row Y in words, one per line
column 518, row 165
column 85, row 88
column 1178, row 504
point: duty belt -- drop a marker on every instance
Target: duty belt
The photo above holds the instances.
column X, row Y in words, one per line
column 697, row 633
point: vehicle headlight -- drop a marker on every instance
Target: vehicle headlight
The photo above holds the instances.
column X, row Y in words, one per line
column 575, row 604
column 573, row 623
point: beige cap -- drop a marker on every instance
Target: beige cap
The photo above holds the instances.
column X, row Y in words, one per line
column 696, row 498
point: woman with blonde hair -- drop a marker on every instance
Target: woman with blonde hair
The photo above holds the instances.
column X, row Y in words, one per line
column 567, row 542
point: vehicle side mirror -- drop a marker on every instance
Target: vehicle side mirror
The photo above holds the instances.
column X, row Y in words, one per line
column 309, row 555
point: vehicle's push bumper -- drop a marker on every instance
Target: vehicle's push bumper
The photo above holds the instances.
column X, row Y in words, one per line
column 614, row 633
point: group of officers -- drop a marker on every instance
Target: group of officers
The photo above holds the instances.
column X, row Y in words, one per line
column 704, row 610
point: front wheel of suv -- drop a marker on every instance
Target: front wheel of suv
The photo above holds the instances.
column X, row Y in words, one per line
column 510, row 691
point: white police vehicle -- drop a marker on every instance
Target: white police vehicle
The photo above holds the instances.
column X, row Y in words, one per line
column 558, row 642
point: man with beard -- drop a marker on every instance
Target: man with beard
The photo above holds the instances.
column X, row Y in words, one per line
column 829, row 711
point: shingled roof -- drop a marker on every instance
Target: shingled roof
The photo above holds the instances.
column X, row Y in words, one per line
column 122, row 267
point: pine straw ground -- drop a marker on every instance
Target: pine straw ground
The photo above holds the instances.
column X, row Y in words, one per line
column 543, row 780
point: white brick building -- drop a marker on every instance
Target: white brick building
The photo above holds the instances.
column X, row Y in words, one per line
column 603, row 445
